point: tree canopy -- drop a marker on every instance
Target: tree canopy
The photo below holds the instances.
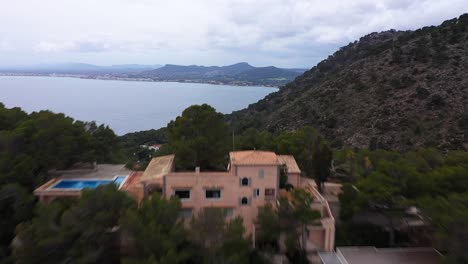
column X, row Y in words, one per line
column 84, row 230
column 154, row 233
column 199, row 137
column 386, row 183
column 218, row 240
column 292, row 218
column 33, row 144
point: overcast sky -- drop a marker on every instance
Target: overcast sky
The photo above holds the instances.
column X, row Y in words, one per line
column 286, row 33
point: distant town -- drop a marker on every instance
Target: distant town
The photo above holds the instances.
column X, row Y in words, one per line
column 240, row 74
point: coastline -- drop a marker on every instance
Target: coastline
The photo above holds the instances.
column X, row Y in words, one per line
column 126, row 106
column 129, row 79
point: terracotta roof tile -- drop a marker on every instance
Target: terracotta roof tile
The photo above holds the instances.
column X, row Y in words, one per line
column 158, row 167
column 290, row 162
column 253, row 157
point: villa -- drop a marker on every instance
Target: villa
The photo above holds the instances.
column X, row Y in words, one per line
column 250, row 181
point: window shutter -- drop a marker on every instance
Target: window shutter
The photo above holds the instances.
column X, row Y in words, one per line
column 240, row 181
column 250, row 181
column 256, row 192
column 261, row 173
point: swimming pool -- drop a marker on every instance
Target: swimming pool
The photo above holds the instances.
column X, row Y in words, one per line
column 88, row 183
column 119, row 179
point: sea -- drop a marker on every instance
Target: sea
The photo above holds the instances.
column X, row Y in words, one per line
column 126, row 106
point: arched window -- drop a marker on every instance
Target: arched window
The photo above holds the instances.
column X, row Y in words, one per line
column 245, row 181
column 244, row 201
column 261, row 173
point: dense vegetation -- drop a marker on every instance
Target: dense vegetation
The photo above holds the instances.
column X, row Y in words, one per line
column 382, row 185
column 147, row 137
column 33, row 144
column 133, row 144
column 199, row 138
column 392, row 90
column 106, row 226
column 291, row 219
column 80, row 231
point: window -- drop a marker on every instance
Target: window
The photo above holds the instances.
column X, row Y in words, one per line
column 213, row 194
column 270, row 192
column 182, row 194
column 245, row 181
column 261, row 173
column 256, row 192
column 244, row 201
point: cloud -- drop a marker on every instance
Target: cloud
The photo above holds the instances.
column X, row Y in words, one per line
column 5, row 45
column 264, row 32
column 71, row 46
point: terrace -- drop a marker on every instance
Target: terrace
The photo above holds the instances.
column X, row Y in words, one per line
column 70, row 183
column 321, row 235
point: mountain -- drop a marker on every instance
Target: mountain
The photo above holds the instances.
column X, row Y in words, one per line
column 79, row 68
column 239, row 73
column 236, row 68
column 170, row 71
column 395, row 90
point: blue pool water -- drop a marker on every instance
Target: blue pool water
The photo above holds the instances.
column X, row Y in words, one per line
column 119, row 179
column 92, row 184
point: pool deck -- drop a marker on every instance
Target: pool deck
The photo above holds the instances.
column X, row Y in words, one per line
column 102, row 171
column 133, row 186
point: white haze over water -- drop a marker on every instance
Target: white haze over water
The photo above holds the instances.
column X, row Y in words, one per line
column 125, row 106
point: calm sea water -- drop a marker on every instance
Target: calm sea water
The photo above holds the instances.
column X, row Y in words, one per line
column 125, row 106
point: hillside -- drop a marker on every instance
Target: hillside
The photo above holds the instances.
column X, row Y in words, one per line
column 239, row 73
column 267, row 73
column 195, row 71
column 393, row 90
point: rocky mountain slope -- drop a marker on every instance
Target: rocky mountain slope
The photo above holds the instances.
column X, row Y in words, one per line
column 393, row 90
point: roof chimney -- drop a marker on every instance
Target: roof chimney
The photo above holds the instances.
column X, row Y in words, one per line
column 197, row 170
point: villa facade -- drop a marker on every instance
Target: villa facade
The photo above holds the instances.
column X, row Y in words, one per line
column 250, row 181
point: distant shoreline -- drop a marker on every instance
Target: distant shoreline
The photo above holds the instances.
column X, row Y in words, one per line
column 114, row 78
column 125, row 106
